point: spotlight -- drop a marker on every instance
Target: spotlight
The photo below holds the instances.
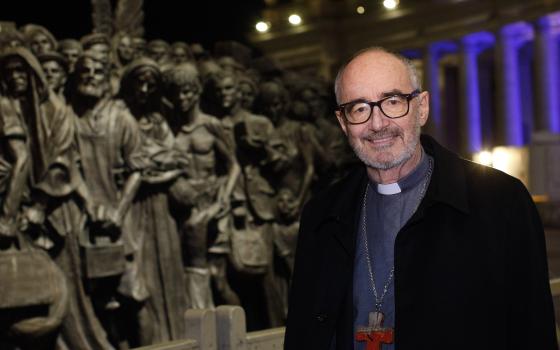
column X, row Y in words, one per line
column 294, row 19
column 360, row 10
column 390, row 4
column 262, row 27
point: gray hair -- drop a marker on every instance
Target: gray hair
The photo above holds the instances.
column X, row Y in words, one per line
column 412, row 71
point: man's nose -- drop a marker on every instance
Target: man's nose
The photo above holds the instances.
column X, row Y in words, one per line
column 144, row 88
column 378, row 120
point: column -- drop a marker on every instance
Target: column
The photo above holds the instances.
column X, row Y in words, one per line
column 547, row 64
column 471, row 46
column 432, row 83
column 508, row 95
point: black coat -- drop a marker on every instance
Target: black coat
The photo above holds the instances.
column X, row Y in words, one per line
column 470, row 265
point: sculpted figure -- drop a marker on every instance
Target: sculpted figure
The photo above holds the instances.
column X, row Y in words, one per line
column 161, row 319
column 11, row 38
column 123, row 49
column 45, row 186
column 98, row 43
column 39, row 39
column 109, row 142
column 246, row 241
column 181, row 52
column 205, row 193
column 139, row 45
column 71, row 49
column 55, row 68
column 158, row 50
column 292, row 140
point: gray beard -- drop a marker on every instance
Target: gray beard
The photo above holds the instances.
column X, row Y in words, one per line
column 397, row 161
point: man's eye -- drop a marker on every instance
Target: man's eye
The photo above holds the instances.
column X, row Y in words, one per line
column 360, row 108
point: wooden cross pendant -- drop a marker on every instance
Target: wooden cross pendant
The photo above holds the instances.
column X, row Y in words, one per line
column 375, row 334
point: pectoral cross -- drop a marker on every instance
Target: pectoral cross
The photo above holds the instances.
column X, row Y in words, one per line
column 375, row 334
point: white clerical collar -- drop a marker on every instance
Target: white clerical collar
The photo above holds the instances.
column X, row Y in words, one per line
column 388, row 189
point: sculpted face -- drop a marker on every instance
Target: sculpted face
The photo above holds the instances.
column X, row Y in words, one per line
column 144, row 86
column 72, row 54
column 248, row 95
column 55, row 74
column 179, row 54
column 125, row 49
column 40, row 43
column 381, row 142
column 227, row 92
column 186, row 96
column 16, row 75
column 92, row 78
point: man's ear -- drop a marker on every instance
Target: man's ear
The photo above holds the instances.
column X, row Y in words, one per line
column 341, row 121
column 424, row 107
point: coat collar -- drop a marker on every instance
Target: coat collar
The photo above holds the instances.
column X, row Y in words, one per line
column 447, row 186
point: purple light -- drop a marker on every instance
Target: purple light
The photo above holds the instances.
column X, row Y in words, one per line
column 472, row 46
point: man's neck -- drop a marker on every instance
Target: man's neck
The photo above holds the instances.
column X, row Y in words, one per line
column 393, row 175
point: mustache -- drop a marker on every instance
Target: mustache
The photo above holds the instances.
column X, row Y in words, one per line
column 384, row 133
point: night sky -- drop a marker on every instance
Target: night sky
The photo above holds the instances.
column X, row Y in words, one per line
column 202, row 21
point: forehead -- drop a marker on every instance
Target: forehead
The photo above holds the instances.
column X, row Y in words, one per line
column 51, row 63
column 90, row 63
column 371, row 74
column 13, row 62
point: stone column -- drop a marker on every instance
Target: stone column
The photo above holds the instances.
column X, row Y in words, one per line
column 432, row 83
column 471, row 46
column 547, row 68
column 509, row 100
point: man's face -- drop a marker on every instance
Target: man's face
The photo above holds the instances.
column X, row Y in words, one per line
column 55, row 74
column 144, row 86
column 40, row 44
column 273, row 104
column 125, row 49
column 186, row 96
column 248, row 95
column 227, row 91
column 102, row 49
column 179, row 55
column 157, row 52
column 92, row 78
column 16, row 75
column 381, row 143
column 72, row 54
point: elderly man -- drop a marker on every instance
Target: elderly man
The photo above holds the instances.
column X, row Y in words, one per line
column 109, row 141
column 417, row 248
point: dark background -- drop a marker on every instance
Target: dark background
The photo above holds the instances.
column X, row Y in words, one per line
column 203, row 21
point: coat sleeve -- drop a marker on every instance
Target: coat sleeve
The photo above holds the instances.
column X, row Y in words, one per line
column 530, row 318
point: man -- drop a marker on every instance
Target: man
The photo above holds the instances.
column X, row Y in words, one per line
column 37, row 137
column 204, row 194
column 55, row 67
column 71, row 49
column 418, row 249
column 109, row 142
column 39, row 39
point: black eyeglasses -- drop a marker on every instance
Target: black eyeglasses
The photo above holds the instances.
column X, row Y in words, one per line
column 394, row 106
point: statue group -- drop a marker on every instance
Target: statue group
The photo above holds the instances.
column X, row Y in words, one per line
column 140, row 179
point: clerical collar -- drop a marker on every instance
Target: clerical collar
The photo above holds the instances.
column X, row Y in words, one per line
column 409, row 181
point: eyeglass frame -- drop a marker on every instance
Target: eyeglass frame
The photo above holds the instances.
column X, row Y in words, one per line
column 377, row 103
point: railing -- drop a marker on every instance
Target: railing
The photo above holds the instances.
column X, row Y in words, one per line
column 225, row 329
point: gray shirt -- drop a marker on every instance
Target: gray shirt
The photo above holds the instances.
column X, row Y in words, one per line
column 386, row 215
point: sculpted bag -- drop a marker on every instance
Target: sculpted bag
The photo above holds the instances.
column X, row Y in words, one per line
column 28, row 277
column 102, row 256
column 249, row 253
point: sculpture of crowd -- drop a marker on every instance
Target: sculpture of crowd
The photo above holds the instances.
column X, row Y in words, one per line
column 155, row 178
